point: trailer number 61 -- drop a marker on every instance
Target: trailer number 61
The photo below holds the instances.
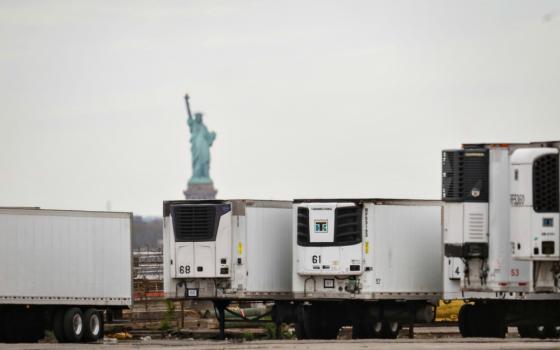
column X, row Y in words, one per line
column 316, row 259
column 185, row 269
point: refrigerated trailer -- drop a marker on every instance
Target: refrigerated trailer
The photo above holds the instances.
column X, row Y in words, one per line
column 229, row 250
column 501, row 238
column 62, row 270
column 370, row 263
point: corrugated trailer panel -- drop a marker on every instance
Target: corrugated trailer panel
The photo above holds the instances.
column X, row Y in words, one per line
column 269, row 244
column 406, row 244
column 65, row 257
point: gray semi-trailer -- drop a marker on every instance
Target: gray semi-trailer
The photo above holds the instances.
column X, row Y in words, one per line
column 62, row 270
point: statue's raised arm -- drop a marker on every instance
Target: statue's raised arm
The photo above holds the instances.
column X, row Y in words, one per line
column 190, row 118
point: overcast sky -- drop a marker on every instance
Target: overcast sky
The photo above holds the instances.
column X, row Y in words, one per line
column 308, row 98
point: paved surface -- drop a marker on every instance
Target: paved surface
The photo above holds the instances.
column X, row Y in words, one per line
column 440, row 343
column 426, row 338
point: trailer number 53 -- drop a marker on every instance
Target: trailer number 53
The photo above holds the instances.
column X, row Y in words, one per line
column 185, row 269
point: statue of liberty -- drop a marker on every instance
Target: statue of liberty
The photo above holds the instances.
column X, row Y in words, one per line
column 201, row 141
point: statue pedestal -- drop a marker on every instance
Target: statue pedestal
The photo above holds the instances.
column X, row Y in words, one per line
column 200, row 191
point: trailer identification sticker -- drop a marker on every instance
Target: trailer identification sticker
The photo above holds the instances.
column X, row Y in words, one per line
column 321, row 226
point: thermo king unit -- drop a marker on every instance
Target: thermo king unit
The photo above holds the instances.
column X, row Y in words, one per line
column 370, row 263
column 227, row 250
column 500, row 244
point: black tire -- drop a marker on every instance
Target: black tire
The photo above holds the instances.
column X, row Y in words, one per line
column 299, row 324
column 552, row 331
column 525, row 331
column 311, row 323
column 390, row 329
column 465, row 323
column 496, row 323
column 73, row 322
column 363, row 329
column 318, row 324
column 377, row 330
column 329, row 325
column 533, row 331
column 93, row 325
column 540, row 331
column 58, row 325
column 357, row 329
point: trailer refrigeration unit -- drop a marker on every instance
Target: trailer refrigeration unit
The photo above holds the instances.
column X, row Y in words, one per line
column 501, row 238
column 228, row 250
column 370, row 263
column 62, row 270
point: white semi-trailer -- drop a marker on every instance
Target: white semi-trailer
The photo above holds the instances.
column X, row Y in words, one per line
column 370, row 263
column 501, row 237
column 62, row 270
column 229, row 250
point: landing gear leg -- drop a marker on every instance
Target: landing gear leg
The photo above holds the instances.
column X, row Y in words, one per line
column 221, row 305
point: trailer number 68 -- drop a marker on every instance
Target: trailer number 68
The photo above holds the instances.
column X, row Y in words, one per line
column 186, row 269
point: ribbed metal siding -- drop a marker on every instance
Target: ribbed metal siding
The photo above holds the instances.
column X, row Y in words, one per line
column 465, row 175
column 545, row 184
column 194, row 223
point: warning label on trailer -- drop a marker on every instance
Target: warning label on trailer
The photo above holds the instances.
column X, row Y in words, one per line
column 517, row 200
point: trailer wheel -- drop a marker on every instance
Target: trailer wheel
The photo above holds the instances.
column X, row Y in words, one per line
column 299, row 324
column 330, row 325
column 377, row 329
column 465, row 323
column 93, row 325
column 367, row 328
column 553, row 331
column 362, row 328
column 525, row 331
column 532, row 331
column 540, row 331
column 495, row 322
column 58, row 325
column 73, row 325
column 390, row 329
column 318, row 323
column 311, row 323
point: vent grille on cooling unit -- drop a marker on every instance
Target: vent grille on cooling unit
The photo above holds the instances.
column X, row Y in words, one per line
column 545, row 184
column 476, row 226
column 465, row 175
column 348, row 225
column 194, row 223
column 303, row 226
